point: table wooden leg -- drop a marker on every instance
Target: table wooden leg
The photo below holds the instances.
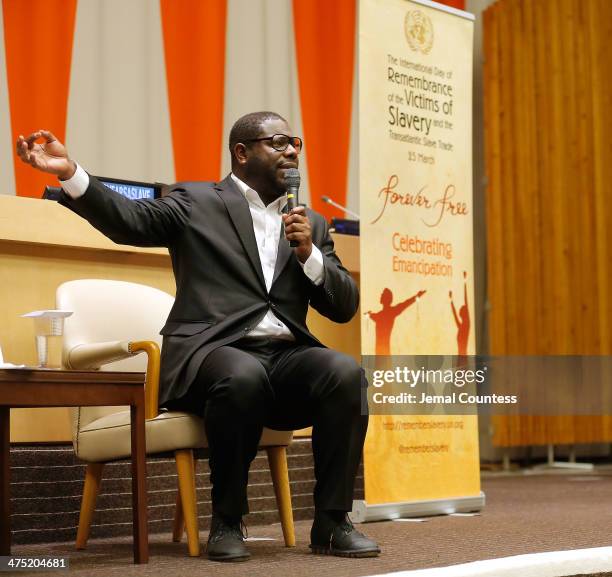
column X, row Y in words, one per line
column 5, row 481
column 139, row 484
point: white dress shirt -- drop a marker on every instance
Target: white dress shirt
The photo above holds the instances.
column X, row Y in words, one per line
column 267, row 224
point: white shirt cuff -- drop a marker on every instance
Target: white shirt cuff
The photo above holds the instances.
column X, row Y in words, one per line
column 77, row 184
column 313, row 267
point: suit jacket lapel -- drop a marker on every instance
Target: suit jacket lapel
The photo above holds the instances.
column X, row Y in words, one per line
column 238, row 209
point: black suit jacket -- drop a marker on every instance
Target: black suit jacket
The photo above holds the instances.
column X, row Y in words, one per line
column 220, row 289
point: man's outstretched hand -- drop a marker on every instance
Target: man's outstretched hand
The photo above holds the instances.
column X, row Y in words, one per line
column 49, row 156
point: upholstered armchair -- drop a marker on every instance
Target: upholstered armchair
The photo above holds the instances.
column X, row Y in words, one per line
column 113, row 323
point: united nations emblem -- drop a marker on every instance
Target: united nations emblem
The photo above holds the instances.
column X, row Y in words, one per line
column 419, row 31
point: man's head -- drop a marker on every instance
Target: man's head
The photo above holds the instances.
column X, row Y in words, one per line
column 386, row 297
column 256, row 158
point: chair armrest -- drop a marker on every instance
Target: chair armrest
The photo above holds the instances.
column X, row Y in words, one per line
column 152, row 376
column 90, row 356
column 93, row 355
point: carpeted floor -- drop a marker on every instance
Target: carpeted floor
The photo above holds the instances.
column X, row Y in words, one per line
column 524, row 514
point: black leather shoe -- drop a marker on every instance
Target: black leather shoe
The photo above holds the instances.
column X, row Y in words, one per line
column 329, row 537
column 226, row 540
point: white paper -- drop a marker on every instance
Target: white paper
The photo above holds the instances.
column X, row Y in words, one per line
column 51, row 314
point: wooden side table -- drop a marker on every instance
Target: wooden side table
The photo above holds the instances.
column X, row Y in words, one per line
column 21, row 388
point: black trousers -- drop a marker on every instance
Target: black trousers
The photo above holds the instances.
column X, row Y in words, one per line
column 284, row 386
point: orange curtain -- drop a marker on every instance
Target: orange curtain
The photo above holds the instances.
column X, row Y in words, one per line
column 194, row 46
column 38, row 37
column 325, row 46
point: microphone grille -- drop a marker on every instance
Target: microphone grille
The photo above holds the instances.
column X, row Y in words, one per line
column 292, row 178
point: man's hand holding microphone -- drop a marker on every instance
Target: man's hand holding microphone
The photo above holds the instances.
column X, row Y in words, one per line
column 297, row 224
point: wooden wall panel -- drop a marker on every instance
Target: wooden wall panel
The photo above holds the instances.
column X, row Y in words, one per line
column 548, row 119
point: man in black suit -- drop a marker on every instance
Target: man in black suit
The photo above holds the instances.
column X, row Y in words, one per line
column 236, row 347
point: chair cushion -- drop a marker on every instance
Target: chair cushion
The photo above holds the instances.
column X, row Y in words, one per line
column 272, row 438
column 108, row 438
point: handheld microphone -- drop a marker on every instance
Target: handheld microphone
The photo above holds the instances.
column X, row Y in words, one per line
column 292, row 182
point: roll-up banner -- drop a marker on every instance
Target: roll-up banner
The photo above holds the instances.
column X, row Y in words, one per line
column 415, row 156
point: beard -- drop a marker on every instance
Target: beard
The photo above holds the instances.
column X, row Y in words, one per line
column 266, row 179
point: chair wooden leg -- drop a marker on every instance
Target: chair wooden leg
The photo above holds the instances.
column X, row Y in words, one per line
column 187, row 488
column 178, row 527
column 277, row 459
column 93, row 476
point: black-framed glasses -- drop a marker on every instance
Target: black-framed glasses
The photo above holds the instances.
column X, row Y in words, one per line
column 280, row 142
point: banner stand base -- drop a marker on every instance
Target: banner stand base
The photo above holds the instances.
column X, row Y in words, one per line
column 364, row 513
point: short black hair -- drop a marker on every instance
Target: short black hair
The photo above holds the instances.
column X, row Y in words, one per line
column 249, row 126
